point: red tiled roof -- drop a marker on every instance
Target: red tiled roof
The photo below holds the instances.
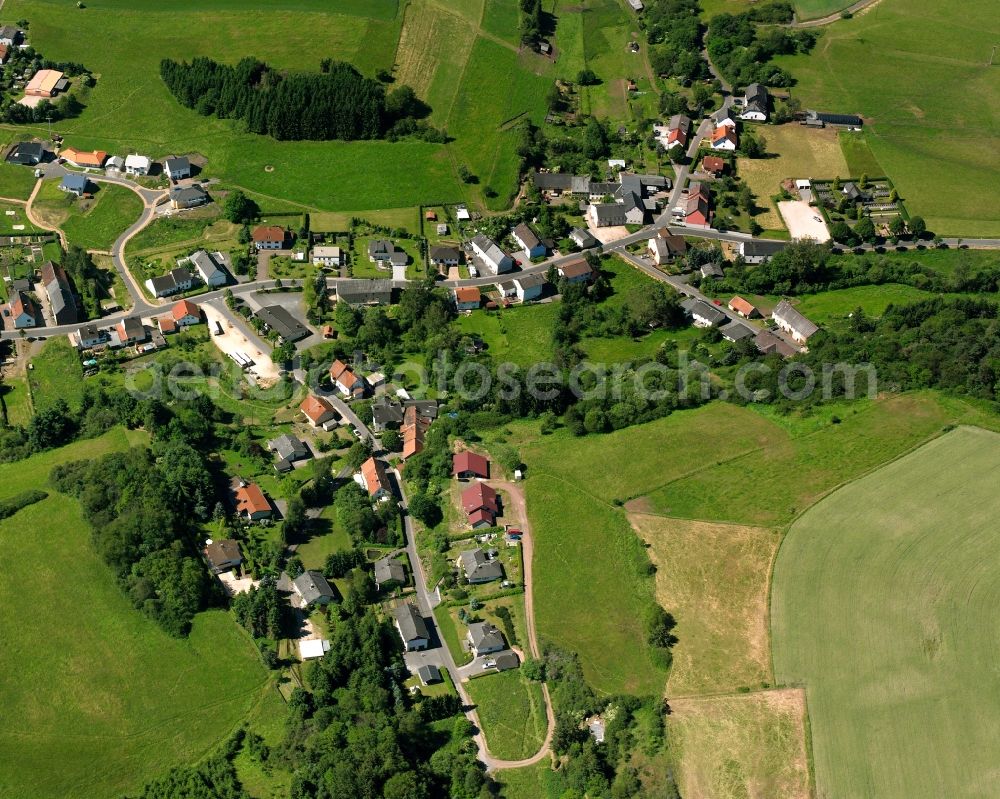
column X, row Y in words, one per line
column 269, row 233
column 479, row 496
column 468, row 294
column 185, row 308
column 466, row 461
column 575, row 269
column 482, row 515
column 740, row 305
column 373, row 472
column 250, row 500
column 315, row 408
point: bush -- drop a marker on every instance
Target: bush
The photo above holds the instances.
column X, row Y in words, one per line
column 11, row 505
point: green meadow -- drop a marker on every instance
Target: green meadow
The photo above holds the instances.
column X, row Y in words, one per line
column 512, row 712
column 918, row 73
column 93, row 686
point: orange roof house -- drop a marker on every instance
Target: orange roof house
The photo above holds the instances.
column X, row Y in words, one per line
column 84, row 158
column 375, row 480
column 317, row 410
column 743, row 308
column 345, row 380
column 166, row 324
column 414, row 428
column 251, row 503
column 185, row 312
column 268, row 237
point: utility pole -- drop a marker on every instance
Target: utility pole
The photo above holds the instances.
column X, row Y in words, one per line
column 48, row 119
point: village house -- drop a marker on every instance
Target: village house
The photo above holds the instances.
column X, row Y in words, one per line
column 115, row 165
column 767, row 343
column 484, row 638
column 415, row 425
column 62, row 303
column 26, row 153
column 444, row 257
column 312, row 588
column 129, row 330
column 793, row 322
column 89, row 335
column 365, row 292
column 724, row 139
column 665, row 247
column 702, row 314
column 529, row 287
column 737, row 331
column 10, row 36
column 713, row 165
column 576, row 271
column 724, row 117
column 676, row 132
column 494, row 260
column 481, row 504
column 478, row 567
column 319, row 412
column 412, row 627
column 374, row 479
column 251, row 504
column 182, row 197
column 85, row 159
column 429, row 674
column 505, row 289
column 20, row 313
column 46, row 83
column 289, row 450
column 759, row 251
column 177, row 168
column 711, row 270
column 166, row 325
column 75, row 184
column 4, row 53
column 325, row 255
column 385, row 254
column 694, row 207
column 467, row 298
column 528, row 241
column 389, row 572
column 269, row 237
column 755, row 103
column 137, row 165
column 468, row 465
column 743, row 308
column 208, row 268
column 185, row 313
column 387, row 414
column 278, row 319
column 176, row 280
column 223, row 555
column 347, row 382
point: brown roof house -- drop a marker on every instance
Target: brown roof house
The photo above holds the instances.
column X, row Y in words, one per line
column 269, row 237
column 466, row 465
column 223, row 555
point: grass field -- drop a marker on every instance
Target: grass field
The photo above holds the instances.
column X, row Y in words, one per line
column 16, row 182
column 920, row 62
column 741, row 746
column 90, row 679
column 830, row 306
column 512, row 712
column 859, row 156
column 884, row 607
column 520, row 335
column 56, row 374
column 14, row 220
column 800, row 153
column 804, row 9
column 16, row 400
column 91, row 224
column 714, row 579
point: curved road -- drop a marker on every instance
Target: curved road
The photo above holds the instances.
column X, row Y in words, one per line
column 830, row 18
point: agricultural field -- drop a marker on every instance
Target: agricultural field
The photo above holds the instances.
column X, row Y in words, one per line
column 920, row 63
column 714, row 578
column 741, row 745
column 794, row 152
column 859, row 156
column 92, row 224
column 512, row 712
column 97, row 679
column 910, row 550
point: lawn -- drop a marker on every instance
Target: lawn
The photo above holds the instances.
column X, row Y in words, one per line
column 921, row 62
column 91, row 224
column 740, row 746
column 56, row 374
column 519, row 335
column 16, row 400
column 884, row 607
column 329, row 538
column 90, row 679
column 198, row 228
column 835, row 305
column 714, row 579
column 859, row 156
column 16, row 182
column 798, row 152
column 14, row 220
column 512, row 712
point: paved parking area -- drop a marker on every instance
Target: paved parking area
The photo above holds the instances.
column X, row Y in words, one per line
column 803, row 221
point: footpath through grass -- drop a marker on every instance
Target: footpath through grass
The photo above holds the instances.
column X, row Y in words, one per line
column 884, row 607
column 91, row 685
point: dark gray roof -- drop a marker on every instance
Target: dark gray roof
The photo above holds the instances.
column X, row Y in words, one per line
column 312, row 586
column 380, row 248
column 278, row 319
column 711, row 270
column 756, row 98
column 795, row 320
column 61, row 298
column 389, row 569
column 163, row 284
column 133, row 327
column 429, row 674
column 737, row 331
column 477, row 566
column 530, row 281
column 702, row 309
column 426, row 408
column 386, row 412
column 205, row 264
column 583, row 238
column 289, row 447
column 767, row 342
column 484, row 635
column 552, row 181
column 761, row 247
column 838, row 119
column 26, row 152
column 440, row 253
column 365, row 292
column 179, row 164
column 188, row 194
column 506, row 660
column 526, row 236
column 411, row 624
column 607, row 213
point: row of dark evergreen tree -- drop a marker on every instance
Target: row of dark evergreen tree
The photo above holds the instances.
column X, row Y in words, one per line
column 337, row 103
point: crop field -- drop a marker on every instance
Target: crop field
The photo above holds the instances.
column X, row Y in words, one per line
column 884, row 608
column 794, row 469
column 90, row 679
column 799, row 152
column 512, row 712
column 913, row 64
column 714, row 579
column 739, row 746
